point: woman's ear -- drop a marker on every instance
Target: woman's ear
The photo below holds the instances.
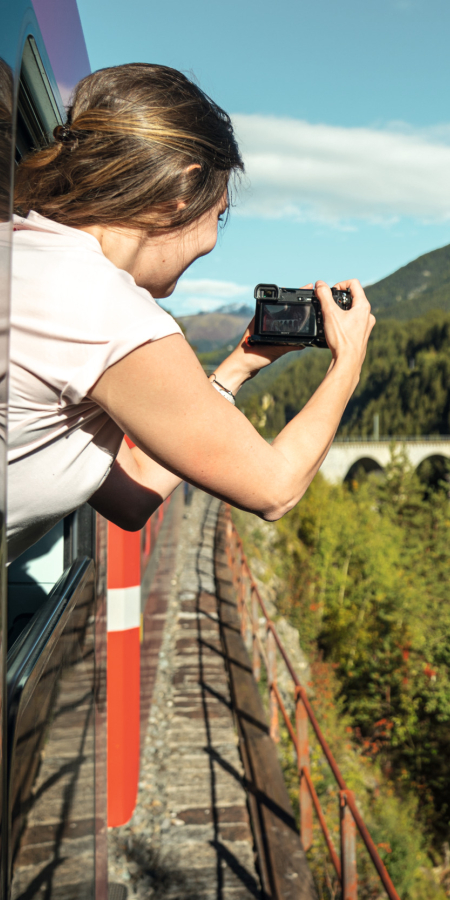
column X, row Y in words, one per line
column 181, row 203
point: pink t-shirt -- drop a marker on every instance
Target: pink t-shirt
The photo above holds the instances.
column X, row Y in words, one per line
column 73, row 314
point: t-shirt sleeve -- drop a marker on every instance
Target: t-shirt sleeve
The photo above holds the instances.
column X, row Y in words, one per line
column 77, row 316
column 125, row 317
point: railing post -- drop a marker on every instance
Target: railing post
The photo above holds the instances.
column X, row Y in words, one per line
column 256, row 658
column 248, row 637
column 348, row 850
column 234, row 564
column 272, row 676
column 228, row 533
column 242, row 597
column 306, row 817
column 229, row 539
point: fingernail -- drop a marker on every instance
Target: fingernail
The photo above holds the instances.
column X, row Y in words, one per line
column 319, row 283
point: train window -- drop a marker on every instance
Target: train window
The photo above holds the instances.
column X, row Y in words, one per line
column 38, row 112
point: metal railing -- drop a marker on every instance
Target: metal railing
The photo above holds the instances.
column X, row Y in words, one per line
column 250, row 604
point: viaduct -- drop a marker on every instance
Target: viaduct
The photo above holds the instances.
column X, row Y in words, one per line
column 374, row 454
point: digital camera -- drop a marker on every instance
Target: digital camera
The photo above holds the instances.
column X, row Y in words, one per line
column 291, row 315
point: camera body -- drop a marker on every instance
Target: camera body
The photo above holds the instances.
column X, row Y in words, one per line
column 291, row 316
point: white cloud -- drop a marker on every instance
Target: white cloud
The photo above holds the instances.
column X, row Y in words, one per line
column 335, row 174
column 194, row 295
column 209, row 287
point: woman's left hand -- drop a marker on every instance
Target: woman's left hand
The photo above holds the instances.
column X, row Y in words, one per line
column 246, row 360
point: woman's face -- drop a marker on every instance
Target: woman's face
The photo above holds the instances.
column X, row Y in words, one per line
column 156, row 263
column 163, row 259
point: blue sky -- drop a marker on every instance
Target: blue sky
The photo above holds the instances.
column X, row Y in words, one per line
column 342, row 111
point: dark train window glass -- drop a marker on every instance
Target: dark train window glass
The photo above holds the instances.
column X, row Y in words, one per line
column 37, row 110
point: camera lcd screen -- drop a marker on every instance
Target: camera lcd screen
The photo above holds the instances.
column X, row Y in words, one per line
column 288, row 319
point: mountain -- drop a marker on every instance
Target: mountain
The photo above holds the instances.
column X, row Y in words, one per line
column 236, row 309
column 209, row 331
column 415, row 289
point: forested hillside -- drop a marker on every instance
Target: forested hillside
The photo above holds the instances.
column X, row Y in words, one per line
column 416, row 288
column 405, row 380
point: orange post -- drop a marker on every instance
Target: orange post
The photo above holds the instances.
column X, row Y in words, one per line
column 123, row 672
column 306, row 809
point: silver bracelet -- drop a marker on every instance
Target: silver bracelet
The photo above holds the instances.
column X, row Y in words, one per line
column 223, row 390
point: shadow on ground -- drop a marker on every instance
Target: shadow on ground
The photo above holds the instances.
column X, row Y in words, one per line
column 152, row 878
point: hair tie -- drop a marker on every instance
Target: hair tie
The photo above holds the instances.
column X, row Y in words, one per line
column 63, row 134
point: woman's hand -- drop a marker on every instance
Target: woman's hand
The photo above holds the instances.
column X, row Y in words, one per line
column 246, row 360
column 347, row 331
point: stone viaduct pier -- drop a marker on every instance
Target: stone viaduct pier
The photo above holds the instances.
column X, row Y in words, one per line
column 345, row 455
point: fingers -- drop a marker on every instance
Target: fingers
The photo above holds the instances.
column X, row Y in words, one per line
column 359, row 299
column 323, row 292
column 354, row 286
column 306, row 287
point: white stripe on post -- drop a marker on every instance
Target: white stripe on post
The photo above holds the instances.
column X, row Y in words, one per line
column 124, row 608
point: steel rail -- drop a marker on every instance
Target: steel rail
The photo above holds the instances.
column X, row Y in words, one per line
column 304, row 772
column 301, row 693
column 331, row 848
column 371, row 848
column 286, row 718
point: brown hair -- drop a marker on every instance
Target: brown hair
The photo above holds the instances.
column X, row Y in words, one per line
column 131, row 134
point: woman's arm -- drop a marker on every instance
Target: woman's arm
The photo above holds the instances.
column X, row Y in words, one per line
column 160, row 397
column 136, row 484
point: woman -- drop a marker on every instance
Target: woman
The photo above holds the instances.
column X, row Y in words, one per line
column 110, row 216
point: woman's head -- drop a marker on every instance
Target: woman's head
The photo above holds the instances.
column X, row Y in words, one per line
column 144, row 148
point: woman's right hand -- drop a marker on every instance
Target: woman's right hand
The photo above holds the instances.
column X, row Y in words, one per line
column 347, row 331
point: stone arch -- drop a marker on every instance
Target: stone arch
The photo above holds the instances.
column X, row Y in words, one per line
column 367, row 463
column 433, row 469
column 344, row 454
column 418, row 452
